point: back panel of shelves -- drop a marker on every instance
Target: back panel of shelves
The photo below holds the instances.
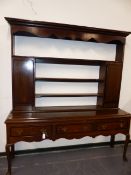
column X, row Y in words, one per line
column 69, row 81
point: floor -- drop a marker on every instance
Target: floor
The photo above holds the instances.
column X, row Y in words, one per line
column 83, row 161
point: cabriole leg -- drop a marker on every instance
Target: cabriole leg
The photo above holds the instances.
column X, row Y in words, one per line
column 8, row 154
column 125, row 147
column 112, row 141
column 12, row 151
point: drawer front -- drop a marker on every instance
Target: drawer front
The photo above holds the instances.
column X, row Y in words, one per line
column 116, row 125
column 93, row 126
column 30, row 131
column 75, row 128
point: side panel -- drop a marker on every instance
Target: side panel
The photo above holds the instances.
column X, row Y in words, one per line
column 101, row 84
column 23, row 83
column 112, row 85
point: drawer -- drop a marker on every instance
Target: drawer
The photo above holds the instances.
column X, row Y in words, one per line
column 75, row 128
column 116, row 125
column 92, row 126
column 30, row 131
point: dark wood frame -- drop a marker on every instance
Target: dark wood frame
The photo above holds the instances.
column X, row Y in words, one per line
column 28, row 123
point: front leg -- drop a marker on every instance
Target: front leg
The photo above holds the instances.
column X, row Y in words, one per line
column 9, row 156
column 12, row 151
column 125, row 147
column 112, row 141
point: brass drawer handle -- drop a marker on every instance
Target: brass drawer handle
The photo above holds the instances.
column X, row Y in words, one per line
column 64, row 129
column 85, row 128
column 20, row 131
column 104, row 127
column 121, row 125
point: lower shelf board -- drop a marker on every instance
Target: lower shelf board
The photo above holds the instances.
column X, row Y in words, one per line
column 71, row 108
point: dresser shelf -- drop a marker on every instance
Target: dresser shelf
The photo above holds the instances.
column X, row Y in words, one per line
column 68, row 95
column 68, row 79
column 54, row 60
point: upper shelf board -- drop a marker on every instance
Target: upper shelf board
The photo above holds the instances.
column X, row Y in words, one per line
column 23, row 27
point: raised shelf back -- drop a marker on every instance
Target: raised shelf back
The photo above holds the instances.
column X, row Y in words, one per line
column 110, row 73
